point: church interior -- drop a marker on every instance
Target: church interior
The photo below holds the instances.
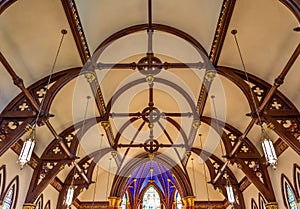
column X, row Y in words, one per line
column 149, row 104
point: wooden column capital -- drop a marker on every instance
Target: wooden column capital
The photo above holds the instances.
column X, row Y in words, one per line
column 189, row 202
column 114, row 202
column 272, row 205
column 29, row 206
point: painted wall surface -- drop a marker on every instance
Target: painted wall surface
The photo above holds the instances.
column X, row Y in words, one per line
column 9, row 158
column 285, row 166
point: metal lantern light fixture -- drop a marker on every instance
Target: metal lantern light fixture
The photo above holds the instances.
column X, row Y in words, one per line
column 70, row 194
column 230, row 193
column 268, row 149
column 27, row 148
column 29, row 143
column 267, row 143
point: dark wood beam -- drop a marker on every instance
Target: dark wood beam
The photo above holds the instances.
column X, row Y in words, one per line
column 293, row 6
column 19, row 82
column 77, row 29
column 221, row 30
column 282, row 133
column 4, row 4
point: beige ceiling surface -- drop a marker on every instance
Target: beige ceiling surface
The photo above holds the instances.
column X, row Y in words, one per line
column 30, row 34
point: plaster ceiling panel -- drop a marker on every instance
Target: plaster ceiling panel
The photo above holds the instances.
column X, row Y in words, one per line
column 6, row 83
column 199, row 180
column 231, row 105
column 30, row 35
column 100, row 19
column 265, row 35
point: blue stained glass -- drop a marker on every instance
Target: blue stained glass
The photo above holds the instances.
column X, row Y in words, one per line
column 291, row 197
column 8, row 199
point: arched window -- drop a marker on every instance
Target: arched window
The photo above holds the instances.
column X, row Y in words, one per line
column 177, row 199
column 297, row 178
column 47, row 206
column 253, row 204
column 2, row 179
column 151, row 199
column 262, row 202
column 124, row 201
column 10, row 196
column 39, row 202
column 288, row 193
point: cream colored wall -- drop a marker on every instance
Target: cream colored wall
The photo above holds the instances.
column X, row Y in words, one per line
column 285, row 165
column 9, row 159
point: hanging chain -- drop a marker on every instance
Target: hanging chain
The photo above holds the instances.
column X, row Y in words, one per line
column 64, row 32
column 217, row 124
column 108, row 177
column 194, row 176
column 81, row 133
column 234, row 32
column 205, row 176
column 97, row 171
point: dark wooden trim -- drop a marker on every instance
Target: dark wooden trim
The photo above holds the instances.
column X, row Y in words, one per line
column 3, row 168
column 284, row 180
column 4, row 4
column 77, row 29
column 296, row 179
column 293, row 6
column 221, row 30
column 13, row 182
column 285, row 135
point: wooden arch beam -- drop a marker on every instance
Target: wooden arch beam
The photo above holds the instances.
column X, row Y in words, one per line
column 121, row 178
column 213, row 164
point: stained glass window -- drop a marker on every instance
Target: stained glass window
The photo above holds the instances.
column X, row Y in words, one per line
column 178, row 200
column 124, row 201
column 151, row 199
column 8, row 199
column 292, row 203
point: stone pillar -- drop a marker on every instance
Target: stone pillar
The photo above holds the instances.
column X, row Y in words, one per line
column 272, row 205
column 29, row 206
column 114, row 202
column 189, row 202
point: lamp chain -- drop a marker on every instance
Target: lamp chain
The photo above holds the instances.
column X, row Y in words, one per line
column 234, row 32
column 108, row 177
column 64, row 32
column 81, row 134
column 205, row 176
column 194, row 176
column 217, row 124
column 97, row 171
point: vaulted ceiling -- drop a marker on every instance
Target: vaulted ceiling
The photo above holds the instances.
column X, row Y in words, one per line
column 164, row 77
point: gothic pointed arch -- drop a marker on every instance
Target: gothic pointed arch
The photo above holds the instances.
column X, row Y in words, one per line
column 288, row 193
column 297, row 179
column 253, row 204
column 10, row 196
column 181, row 178
column 48, row 205
column 261, row 201
column 2, row 180
column 151, row 197
column 40, row 202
